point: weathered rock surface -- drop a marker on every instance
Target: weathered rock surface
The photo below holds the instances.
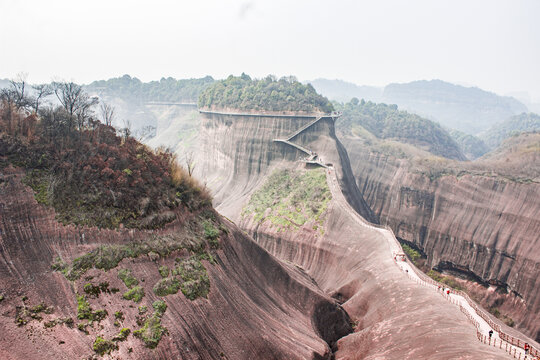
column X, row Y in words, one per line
column 484, row 227
column 395, row 318
column 257, row 308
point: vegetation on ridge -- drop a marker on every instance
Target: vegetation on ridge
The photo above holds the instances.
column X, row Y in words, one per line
column 268, row 94
column 90, row 174
column 164, row 90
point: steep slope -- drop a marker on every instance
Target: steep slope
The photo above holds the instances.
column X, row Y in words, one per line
column 282, row 199
column 255, row 308
column 525, row 122
column 470, row 110
column 193, row 287
column 476, row 219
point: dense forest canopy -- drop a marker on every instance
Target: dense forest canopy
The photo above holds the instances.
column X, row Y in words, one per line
column 165, row 90
column 268, row 94
column 387, row 122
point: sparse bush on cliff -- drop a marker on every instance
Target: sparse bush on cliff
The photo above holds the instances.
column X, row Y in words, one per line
column 268, row 94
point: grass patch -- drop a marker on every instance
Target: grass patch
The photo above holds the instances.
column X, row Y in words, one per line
column 128, row 279
column 447, row 280
column 136, row 294
column 506, row 319
column 24, row 314
column 290, row 199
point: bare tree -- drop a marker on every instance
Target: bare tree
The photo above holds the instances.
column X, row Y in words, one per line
column 107, row 113
column 21, row 98
column 126, row 130
column 42, row 91
column 190, row 162
column 16, row 94
column 75, row 101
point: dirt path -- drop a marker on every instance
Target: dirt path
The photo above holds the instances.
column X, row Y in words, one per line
column 395, row 248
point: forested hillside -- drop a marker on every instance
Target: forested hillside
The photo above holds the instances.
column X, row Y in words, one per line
column 472, row 146
column 525, row 122
column 387, row 122
column 468, row 109
column 268, row 94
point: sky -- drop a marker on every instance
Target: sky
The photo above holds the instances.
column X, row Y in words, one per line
column 492, row 44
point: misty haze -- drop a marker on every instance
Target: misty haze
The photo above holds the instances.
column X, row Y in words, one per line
column 258, row 179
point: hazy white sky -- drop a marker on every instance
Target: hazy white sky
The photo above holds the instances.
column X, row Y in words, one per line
column 488, row 43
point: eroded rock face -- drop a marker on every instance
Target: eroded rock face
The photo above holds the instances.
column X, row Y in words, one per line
column 394, row 317
column 483, row 227
column 237, row 153
column 256, row 307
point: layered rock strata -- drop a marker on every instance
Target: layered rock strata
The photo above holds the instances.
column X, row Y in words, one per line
column 484, row 228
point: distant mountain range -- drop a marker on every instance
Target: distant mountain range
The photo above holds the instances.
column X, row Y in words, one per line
column 343, row 91
column 468, row 109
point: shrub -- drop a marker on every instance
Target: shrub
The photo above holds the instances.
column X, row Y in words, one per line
column 151, row 332
column 128, row 279
column 195, row 282
column 122, row 335
column 164, row 271
column 103, row 346
column 167, row 286
column 136, row 294
column 160, row 307
column 84, row 311
column 91, row 289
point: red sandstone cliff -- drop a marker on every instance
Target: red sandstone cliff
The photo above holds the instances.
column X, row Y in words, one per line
column 256, row 308
column 486, row 227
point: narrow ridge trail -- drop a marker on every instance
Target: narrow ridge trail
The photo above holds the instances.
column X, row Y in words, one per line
column 482, row 326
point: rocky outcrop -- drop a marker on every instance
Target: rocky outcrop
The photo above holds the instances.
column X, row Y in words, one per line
column 256, row 307
column 484, row 227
